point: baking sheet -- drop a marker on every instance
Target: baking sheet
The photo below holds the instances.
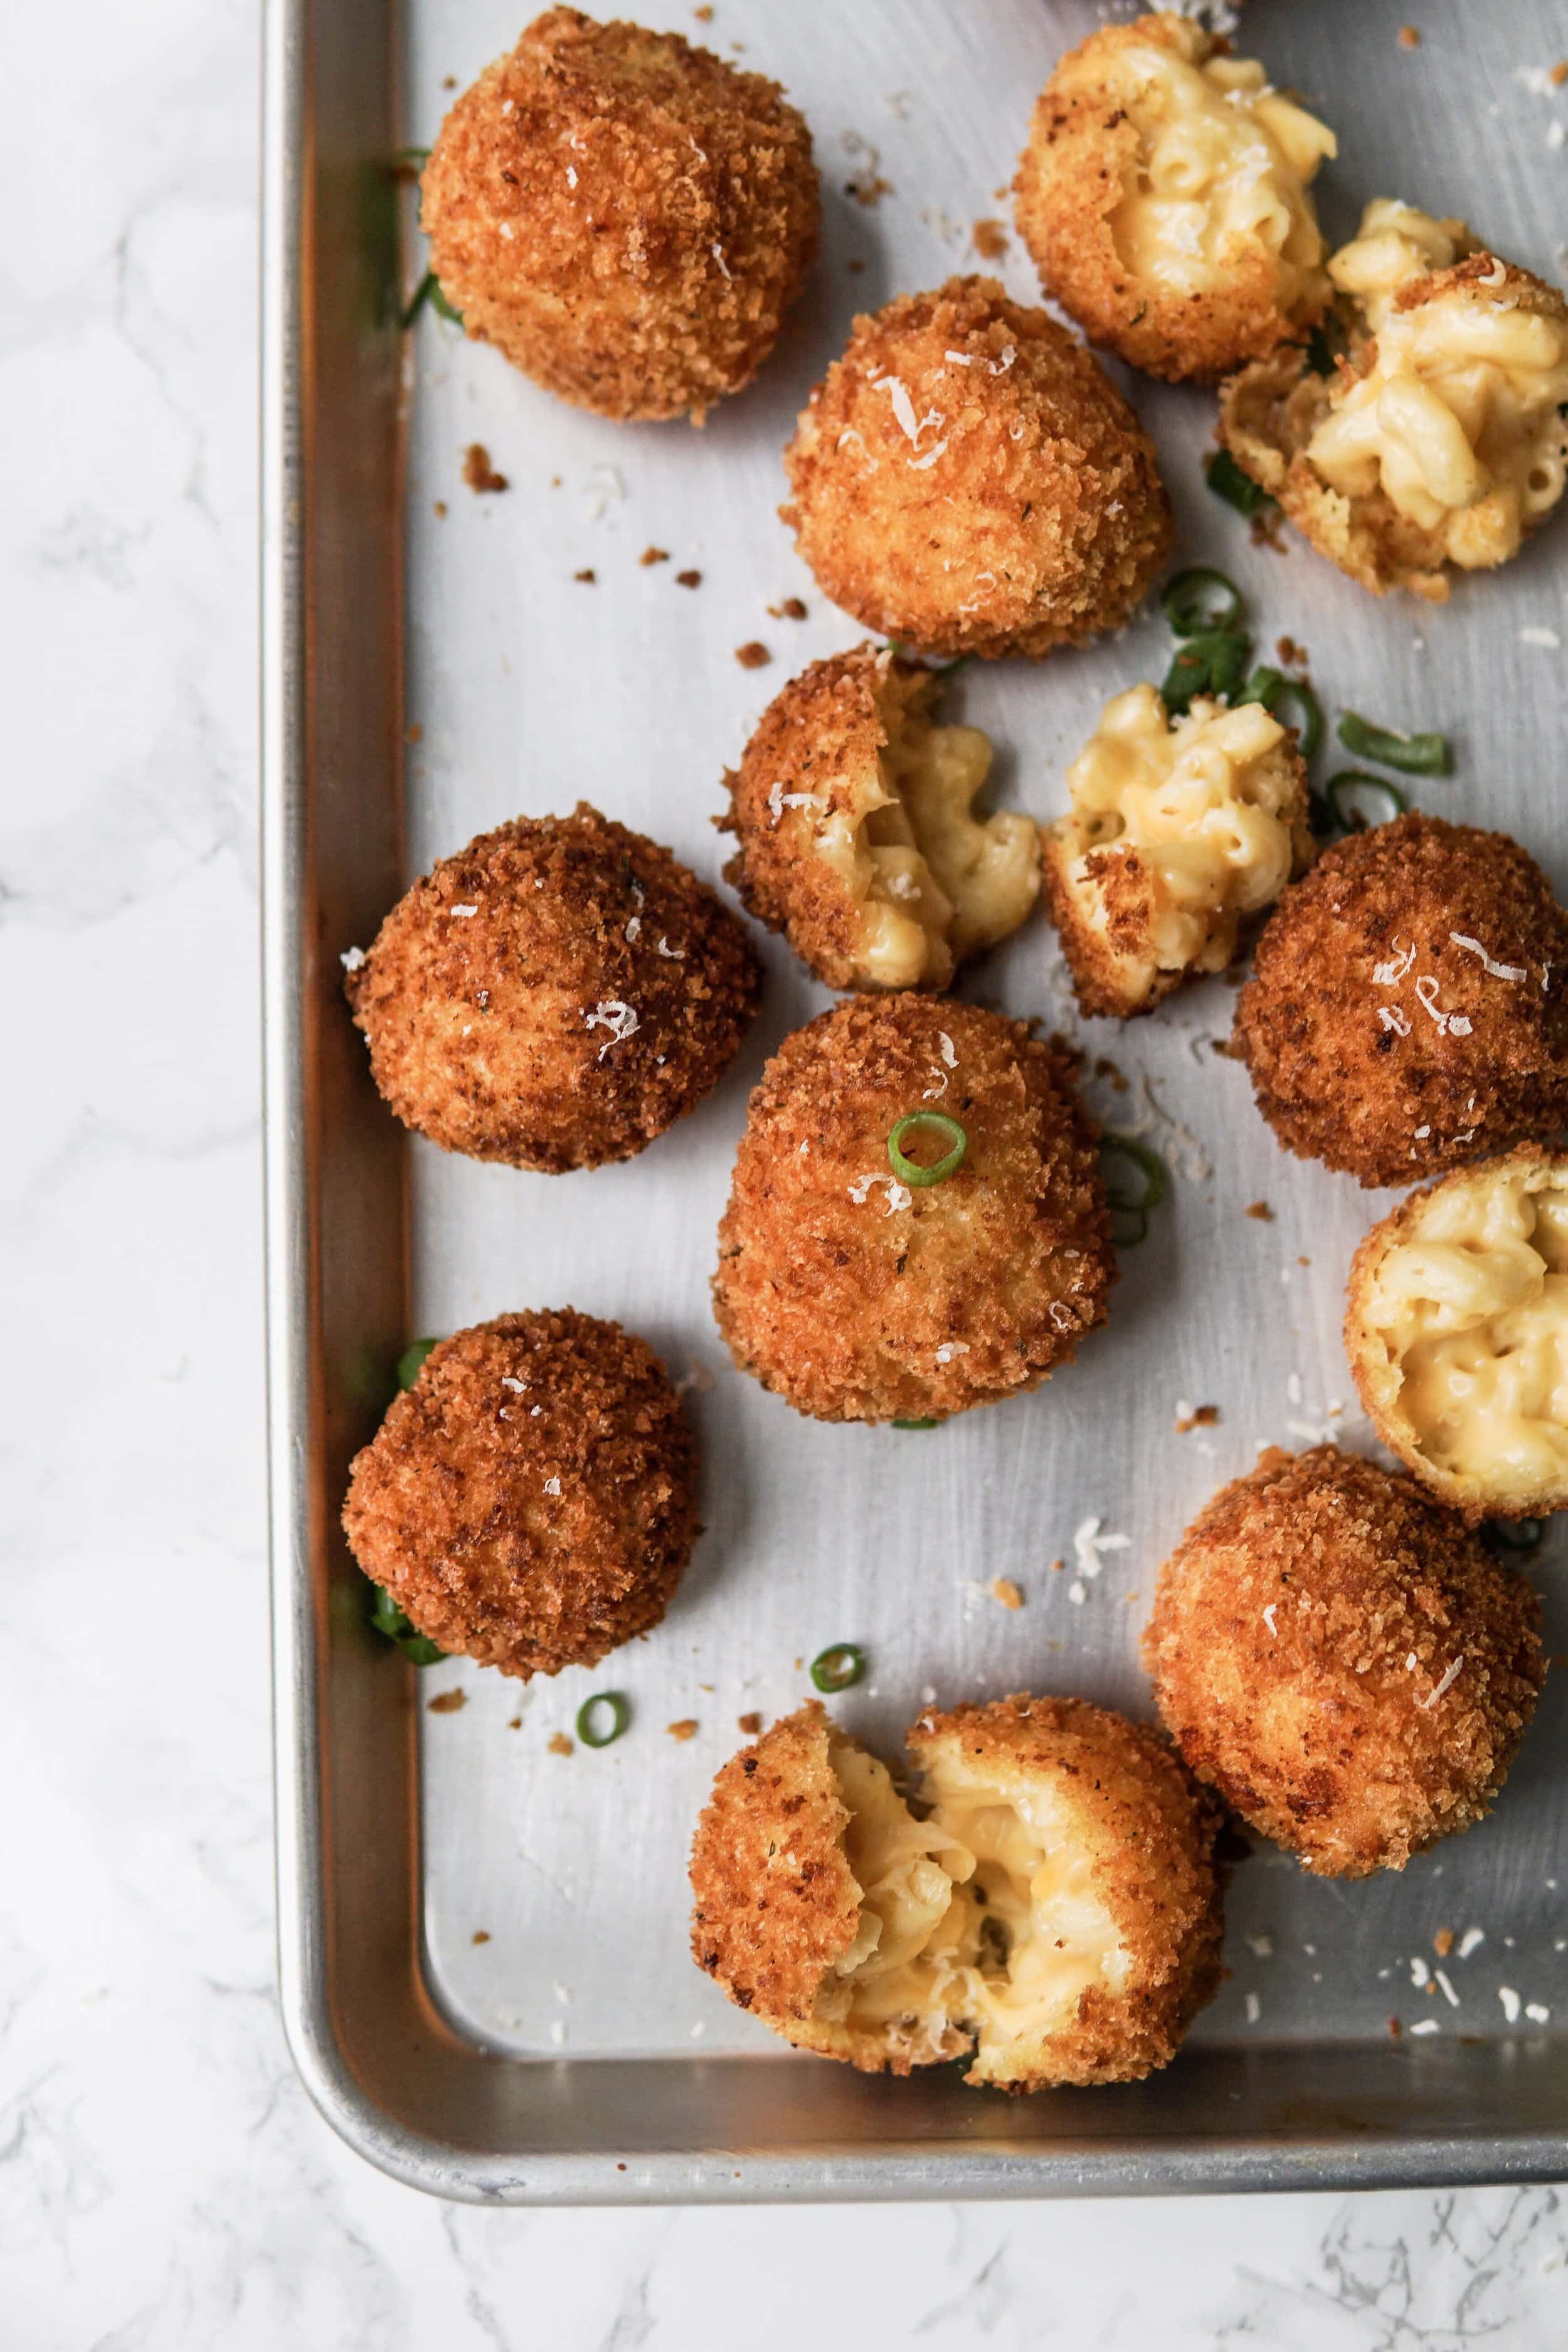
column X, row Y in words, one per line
column 532, row 687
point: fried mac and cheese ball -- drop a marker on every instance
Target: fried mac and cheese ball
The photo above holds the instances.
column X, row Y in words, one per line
column 1163, row 197
column 1407, row 1011
column 1343, row 1660
column 1053, row 1915
column 1440, row 439
column 854, row 812
column 858, row 1296
column 1182, row 830
column 553, row 995
column 625, row 217
column 528, row 1502
column 1456, row 1330
column 966, row 481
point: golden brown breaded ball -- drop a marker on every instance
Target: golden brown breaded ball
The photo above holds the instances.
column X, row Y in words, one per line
column 856, row 1296
column 528, row 1502
column 1183, row 831
column 1163, row 197
column 1456, row 1326
column 625, row 217
column 1440, row 437
column 1343, row 1660
column 554, row 996
column 1406, row 1009
column 1054, row 1914
column 858, row 837
column 966, row 479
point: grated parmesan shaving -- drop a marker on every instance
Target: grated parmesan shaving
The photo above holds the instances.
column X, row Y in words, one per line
column 1450, row 1678
column 618, row 1018
column 1498, row 971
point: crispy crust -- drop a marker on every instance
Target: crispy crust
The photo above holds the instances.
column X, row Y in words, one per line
column 627, row 219
column 1081, row 157
column 1269, row 413
column 448, row 1506
column 1311, row 1722
column 1151, row 1832
column 483, row 1029
column 1384, row 1102
column 821, row 734
column 1031, row 515
column 1378, row 1380
column 840, row 1306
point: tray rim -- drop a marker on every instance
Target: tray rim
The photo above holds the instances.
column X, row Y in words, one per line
column 1190, row 2164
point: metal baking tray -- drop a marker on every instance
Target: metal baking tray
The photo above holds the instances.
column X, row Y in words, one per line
column 575, row 2054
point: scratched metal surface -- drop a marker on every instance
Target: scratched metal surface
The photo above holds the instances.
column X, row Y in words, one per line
column 532, row 689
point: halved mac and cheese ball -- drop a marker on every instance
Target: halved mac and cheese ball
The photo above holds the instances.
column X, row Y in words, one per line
column 529, row 1502
column 966, row 479
column 1163, row 197
column 1407, row 1007
column 1052, row 1912
column 554, row 996
column 1181, row 830
column 625, row 217
column 1456, row 1330
column 858, row 836
column 1441, row 440
column 916, row 1223
column 1343, row 1660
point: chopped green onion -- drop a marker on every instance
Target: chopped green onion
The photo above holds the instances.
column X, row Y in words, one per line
column 915, row 1425
column 411, row 1362
column 592, row 1728
column 1201, row 600
column 1343, row 791
column 910, row 1172
column 429, row 291
column 399, row 1627
column 1227, row 480
column 1309, row 727
column 1128, row 1228
column 409, row 155
column 1264, row 687
column 1413, row 755
column 1515, row 1535
column 1215, row 663
column 1137, row 1153
column 1320, row 353
column 835, row 1668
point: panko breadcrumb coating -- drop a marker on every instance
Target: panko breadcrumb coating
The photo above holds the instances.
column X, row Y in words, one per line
column 1456, row 1330
column 625, row 217
column 1181, row 832
column 1439, row 439
column 857, row 1297
column 528, row 1502
column 1343, row 1660
column 554, row 996
column 1406, row 1012
column 967, row 481
column 1054, row 1914
column 858, row 840
column 1163, row 197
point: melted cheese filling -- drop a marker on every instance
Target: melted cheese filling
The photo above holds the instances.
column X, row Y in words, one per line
column 1456, row 420
column 982, row 1919
column 1224, row 164
column 1211, row 805
column 1473, row 1310
column 934, row 882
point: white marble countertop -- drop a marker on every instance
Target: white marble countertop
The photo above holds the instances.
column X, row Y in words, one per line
column 165, row 2183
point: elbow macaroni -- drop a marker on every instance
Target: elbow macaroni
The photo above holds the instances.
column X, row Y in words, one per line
column 1458, row 420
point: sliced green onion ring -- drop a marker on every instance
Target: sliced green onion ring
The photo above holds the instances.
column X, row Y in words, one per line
column 1516, row 1534
column 915, row 1425
column 1190, row 605
column 1264, row 686
column 409, row 155
column 592, row 1728
column 910, row 1172
column 429, row 291
column 1215, row 663
column 1227, row 480
column 1133, row 1149
column 1309, row 725
column 914, row 660
column 1413, row 755
column 836, row 1666
column 1128, row 1228
column 410, row 1363
column 397, row 1625
column 1341, row 793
